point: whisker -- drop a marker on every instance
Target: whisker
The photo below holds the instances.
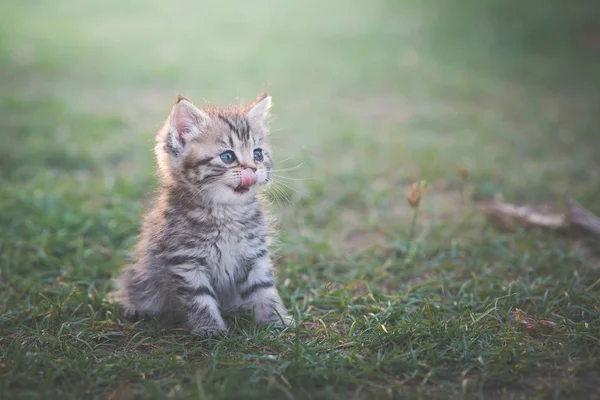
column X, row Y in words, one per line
column 284, row 195
column 280, row 187
column 285, row 159
column 283, row 128
column 279, row 195
column 290, row 187
column 293, row 179
column 288, row 169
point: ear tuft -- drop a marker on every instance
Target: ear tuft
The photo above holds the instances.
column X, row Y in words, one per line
column 259, row 110
column 181, row 97
column 186, row 120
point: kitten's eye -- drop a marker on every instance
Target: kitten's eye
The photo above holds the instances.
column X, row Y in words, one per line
column 228, row 157
column 258, row 155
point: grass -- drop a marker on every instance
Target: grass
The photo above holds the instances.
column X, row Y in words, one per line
column 368, row 99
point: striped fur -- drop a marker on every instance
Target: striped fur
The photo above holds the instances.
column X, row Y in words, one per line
column 203, row 245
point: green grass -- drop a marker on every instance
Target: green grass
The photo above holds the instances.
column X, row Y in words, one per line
column 369, row 97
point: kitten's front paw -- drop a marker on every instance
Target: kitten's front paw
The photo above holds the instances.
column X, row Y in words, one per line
column 283, row 321
column 132, row 315
column 211, row 331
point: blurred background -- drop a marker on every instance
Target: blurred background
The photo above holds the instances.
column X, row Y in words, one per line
column 477, row 97
column 368, row 97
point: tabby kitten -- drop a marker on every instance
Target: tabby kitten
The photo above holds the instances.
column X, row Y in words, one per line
column 203, row 246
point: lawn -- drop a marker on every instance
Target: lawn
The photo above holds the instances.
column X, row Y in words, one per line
column 369, row 97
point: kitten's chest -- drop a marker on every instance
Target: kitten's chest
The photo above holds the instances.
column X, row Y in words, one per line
column 225, row 240
column 227, row 252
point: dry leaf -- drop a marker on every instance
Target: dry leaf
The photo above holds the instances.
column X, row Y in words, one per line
column 521, row 317
column 530, row 324
column 520, row 314
column 508, row 216
column 547, row 324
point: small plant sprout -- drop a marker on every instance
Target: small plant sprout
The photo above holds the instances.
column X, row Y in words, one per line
column 415, row 194
column 463, row 174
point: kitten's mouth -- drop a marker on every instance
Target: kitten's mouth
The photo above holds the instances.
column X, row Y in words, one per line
column 241, row 190
column 247, row 179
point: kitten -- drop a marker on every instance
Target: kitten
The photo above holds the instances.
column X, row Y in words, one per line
column 203, row 246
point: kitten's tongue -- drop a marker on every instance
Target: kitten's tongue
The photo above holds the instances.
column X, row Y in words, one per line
column 248, row 178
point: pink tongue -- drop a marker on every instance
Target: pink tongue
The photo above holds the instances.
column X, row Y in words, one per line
column 248, row 178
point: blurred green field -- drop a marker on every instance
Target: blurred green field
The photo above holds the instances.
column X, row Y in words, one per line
column 369, row 97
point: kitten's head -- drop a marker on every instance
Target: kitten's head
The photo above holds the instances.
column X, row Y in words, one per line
column 219, row 155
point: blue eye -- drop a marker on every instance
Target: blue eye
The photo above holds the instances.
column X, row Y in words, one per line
column 258, row 155
column 227, row 157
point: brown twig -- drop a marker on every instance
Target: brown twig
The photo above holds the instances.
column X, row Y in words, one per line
column 581, row 218
column 508, row 216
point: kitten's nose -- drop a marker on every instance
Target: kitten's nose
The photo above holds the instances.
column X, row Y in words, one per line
column 248, row 178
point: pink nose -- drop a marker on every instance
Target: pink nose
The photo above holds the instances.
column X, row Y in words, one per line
column 248, row 178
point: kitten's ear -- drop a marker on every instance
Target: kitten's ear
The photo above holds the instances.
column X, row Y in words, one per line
column 259, row 110
column 185, row 122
